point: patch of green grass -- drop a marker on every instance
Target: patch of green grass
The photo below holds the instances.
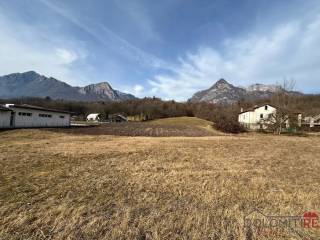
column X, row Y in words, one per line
column 184, row 121
column 193, row 122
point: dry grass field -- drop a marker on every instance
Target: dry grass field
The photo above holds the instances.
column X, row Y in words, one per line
column 56, row 185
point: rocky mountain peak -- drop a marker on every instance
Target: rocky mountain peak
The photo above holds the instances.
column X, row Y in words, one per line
column 223, row 92
column 30, row 74
column 222, row 84
column 100, row 88
column 103, row 85
column 103, row 90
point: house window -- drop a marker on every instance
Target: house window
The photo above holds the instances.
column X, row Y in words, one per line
column 61, row 116
column 45, row 115
column 25, row 114
column 261, row 115
column 265, row 107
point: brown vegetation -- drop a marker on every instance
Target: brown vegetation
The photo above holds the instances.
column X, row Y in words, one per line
column 167, row 127
column 228, row 125
column 64, row 186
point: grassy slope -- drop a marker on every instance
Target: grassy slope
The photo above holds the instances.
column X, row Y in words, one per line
column 191, row 121
column 62, row 186
column 168, row 127
column 187, row 121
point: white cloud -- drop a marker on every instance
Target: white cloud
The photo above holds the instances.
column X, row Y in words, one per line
column 108, row 38
column 289, row 51
column 24, row 47
column 66, row 56
column 138, row 89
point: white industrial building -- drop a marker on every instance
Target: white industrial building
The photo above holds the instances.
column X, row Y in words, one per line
column 27, row 116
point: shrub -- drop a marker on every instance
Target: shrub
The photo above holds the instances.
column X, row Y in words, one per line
column 228, row 125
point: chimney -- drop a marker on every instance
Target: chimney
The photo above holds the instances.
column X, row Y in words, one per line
column 241, row 109
column 299, row 119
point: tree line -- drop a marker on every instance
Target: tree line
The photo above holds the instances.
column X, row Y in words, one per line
column 225, row 117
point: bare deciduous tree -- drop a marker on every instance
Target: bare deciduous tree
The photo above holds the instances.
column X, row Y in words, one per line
column 284, row 115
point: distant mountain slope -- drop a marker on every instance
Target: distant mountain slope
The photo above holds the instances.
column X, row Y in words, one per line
column 262, row 88
column 223, row 92
column 32, row 84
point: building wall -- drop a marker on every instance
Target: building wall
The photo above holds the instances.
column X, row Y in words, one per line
column 246, row 117
column 39, row 118
column 137, row 118
column 5, row 119
column 264, row 112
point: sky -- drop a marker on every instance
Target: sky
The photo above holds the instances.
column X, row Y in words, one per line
column 168, row 48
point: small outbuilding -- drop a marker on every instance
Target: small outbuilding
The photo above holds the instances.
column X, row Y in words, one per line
column 117, row 118
column 94, row 117
column 137, row 118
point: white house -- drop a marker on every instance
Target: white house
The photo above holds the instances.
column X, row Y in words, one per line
column 27, row 116
column 259, row 116
column 253, row 118
column 94, row 117
column 5, row 117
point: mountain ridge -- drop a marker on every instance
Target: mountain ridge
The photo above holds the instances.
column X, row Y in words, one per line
column 223, row 92
column 32, row 84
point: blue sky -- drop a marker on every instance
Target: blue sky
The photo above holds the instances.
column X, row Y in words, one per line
column 168, row 48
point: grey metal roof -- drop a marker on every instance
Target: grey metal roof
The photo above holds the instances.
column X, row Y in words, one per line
column 258, row 106
column 25, row 106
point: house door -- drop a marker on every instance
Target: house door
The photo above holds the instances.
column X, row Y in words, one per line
column 12, row 119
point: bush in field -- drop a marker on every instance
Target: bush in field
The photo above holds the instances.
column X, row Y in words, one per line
column 228, row 124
